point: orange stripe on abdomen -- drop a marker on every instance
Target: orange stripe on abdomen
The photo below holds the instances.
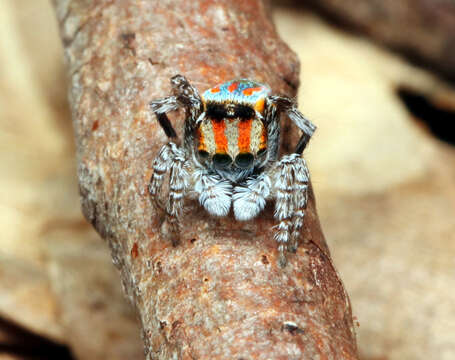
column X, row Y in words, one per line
column 220, row 137
column 244, row 135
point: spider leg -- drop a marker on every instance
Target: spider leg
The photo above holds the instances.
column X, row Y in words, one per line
column 170, row 159
column 188, row 96
column 289, row 106
column 161, row 166
column 160, row 108
column 301, row 179
column 185, row 95
column 272, row 123
column 290, row 183
column 284, row 205
column 178, row 183
column 249, row 199
column 213, row 191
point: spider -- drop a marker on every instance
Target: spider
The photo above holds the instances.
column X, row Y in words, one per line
column 230, row 156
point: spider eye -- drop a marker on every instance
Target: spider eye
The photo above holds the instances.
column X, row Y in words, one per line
column 216, row 111
column 244, row 160
column 203, row 154
column 221, row 160
column 244, row 112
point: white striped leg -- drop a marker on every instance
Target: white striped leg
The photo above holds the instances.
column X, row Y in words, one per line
column 188, row 97
column 214, row 193
column 284, row 204
column 178, row 183
column 160, row 107
column 161, row 166
column 301, row 179
column 249, row 199
column 164, row 105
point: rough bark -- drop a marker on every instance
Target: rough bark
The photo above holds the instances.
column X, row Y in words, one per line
column 422, row 29
column 220, row 293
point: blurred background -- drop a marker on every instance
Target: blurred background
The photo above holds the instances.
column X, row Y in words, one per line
column 376, row 78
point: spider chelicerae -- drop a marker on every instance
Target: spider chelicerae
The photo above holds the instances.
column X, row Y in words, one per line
column 230, row 156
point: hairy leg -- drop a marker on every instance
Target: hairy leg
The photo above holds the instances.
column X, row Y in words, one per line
column 301, row 179
column 290, row 178
column 185, row 95
column 272, row 122
column 161, row 166
column 178, row 184
column 283, row 103
column 188, row 96
column 160, row 107
column 170, row 159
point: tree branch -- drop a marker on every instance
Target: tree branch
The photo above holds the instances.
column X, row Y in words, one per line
column 220, row 293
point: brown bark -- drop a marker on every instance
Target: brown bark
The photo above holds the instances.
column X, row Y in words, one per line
column 421, row 29
column 220, row 293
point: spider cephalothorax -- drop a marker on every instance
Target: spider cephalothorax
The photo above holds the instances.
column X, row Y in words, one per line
column 229, row 157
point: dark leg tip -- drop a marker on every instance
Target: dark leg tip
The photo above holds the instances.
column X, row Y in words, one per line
column 282, row 261
column 175, row 241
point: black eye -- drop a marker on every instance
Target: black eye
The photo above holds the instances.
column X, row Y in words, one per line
column 244, row 160
column 216, row 111
column 244, row 112
column 221, row 160
column 203, row 154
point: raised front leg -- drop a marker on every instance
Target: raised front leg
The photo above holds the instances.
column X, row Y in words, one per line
column 290, row 177
column 160, row 107
column 283, row 103
column 185, row 96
